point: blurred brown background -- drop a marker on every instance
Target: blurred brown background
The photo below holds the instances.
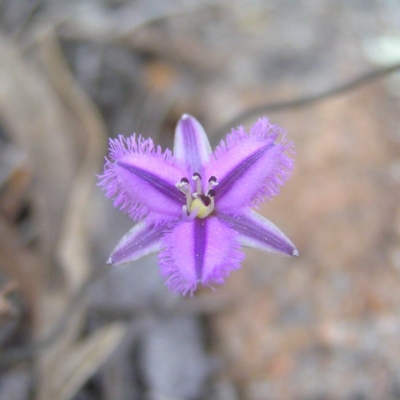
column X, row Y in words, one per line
column 322, row 326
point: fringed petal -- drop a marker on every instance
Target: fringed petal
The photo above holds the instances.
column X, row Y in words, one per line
column 141, row 179
column 191, row 144
column 201, row 251
column 141, row 241
column 250, row 167
column 259, row 233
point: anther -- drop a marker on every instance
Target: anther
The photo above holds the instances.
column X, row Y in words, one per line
column 183, row 187
column 211, row 193
column 196, row 176
column 211, row 183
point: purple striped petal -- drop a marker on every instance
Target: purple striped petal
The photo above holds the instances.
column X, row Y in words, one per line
column 141, row 241
column 142, row 179
column 259, row 233
column 201, row 251
column 250, row 167
column 191, row 144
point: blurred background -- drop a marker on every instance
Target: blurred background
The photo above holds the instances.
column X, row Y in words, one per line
column 323, row 326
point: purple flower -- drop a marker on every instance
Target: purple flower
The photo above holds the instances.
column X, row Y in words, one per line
column 193, row 206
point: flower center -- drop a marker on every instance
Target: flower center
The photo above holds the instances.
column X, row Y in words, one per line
column 198, row 204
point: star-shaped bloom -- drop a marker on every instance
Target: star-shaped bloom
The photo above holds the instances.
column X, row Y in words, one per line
column 194, row 206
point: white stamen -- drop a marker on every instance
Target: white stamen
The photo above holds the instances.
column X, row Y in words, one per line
column 196, row 177
column 189, row 217
column 193, row 214
column 211, row 185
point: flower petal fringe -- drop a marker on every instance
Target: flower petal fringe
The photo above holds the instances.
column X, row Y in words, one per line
column 250, row 167
column 201, row 251
column 141, row 179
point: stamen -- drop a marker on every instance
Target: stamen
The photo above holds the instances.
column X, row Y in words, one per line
column 198, row 205
column 211, row 193
column 211, row 183
column 197, row 177
column 184, row 187
column 193, row 214
column 189, row 217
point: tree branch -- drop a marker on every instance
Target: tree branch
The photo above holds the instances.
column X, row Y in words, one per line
column 309, row 100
